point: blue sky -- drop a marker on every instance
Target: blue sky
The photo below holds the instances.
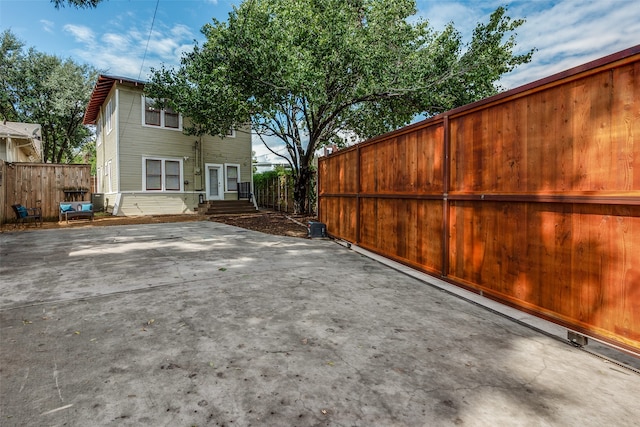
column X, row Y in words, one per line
column 121, row 37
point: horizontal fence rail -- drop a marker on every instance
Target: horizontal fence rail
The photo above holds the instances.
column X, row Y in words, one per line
column 529, row 197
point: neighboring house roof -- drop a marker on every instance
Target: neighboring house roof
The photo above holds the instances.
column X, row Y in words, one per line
column 29, row 133
column 100, row 92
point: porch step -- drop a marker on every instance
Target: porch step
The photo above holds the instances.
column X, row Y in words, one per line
column 226, row 207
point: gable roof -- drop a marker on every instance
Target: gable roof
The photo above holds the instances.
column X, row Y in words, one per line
column 100, row 92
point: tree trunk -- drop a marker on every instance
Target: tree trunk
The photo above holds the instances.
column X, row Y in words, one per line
column 300, row 191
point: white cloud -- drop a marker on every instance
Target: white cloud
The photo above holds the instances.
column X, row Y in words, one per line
column 565, row 33
column 163, row 47
column 81, row 33
column 122, row 52
column 47, row 25
column 263, row 154
column 116, row 41
column 572, row 33
column 181, row 31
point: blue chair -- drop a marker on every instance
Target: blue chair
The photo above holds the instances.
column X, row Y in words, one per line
column 27, row 214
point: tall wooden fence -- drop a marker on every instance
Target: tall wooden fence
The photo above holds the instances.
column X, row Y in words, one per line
column 531, row 197
column 42, row 185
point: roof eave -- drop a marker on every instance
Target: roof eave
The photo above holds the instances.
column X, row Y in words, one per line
column 100, row 92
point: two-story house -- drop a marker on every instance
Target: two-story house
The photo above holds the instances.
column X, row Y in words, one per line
column 145, row 163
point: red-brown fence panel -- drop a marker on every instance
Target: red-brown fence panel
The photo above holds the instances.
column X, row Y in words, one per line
column 529, row 197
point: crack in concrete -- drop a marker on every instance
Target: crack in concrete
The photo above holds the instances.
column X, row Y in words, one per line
column 55, row 376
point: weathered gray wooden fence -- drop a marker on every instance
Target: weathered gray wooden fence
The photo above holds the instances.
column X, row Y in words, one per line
column 277, row 194
column 41, row 185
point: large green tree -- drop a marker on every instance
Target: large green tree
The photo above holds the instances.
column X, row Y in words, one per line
column 304, row 72
column 11, row 54
column 45, row 89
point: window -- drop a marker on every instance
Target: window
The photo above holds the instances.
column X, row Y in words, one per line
column 153, row 174
column 98, row 132
column 162, row 174
column 171, row 118
column 160, row 117
column 232, row 174
column 231, row 133
column 108, row 111
column 151, row 113
column 172, row 175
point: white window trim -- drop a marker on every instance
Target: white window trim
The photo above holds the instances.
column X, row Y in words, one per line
column 162, row 126
column 108, row 112
column 163, row 160
column 99, row 132
column 231, row 133
column 107, row 174
column 226, row 181
column 99, row 179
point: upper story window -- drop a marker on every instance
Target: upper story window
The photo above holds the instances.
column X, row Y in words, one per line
column 165, row 117
column 231, row 133
column 108, row 111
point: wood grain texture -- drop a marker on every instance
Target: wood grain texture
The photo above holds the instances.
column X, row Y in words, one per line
column 41, row 185
column 540, row 208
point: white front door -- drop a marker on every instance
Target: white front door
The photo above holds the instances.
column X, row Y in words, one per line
column 215, row 190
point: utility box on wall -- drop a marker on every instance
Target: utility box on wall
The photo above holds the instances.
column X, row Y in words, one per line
column 316, row 229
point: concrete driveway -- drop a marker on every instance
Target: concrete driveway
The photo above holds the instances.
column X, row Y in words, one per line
column 198, row 324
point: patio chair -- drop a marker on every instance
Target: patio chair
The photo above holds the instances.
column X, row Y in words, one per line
column 27, row 214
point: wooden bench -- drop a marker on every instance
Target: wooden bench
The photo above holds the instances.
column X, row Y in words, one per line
column 70, row 210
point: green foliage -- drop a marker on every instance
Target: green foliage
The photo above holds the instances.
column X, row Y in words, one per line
column 260, row 178
column 305, row 72
column 44, row 89
column 78, row 4
column 87, row 155
column 10, row 49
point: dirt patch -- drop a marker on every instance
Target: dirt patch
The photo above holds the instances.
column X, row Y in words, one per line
column 270, row 222
column 277, row 223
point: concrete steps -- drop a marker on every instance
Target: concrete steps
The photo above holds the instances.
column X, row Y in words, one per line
column 226, row 207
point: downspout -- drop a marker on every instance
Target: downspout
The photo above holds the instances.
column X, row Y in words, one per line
column 115, row 112
column 252, row 195
column 199, row 164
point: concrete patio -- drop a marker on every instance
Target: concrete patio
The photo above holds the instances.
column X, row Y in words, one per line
column 199, row 323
